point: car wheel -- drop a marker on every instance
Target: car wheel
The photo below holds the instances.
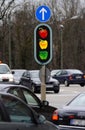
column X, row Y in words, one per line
column 56, row 89
column 66, row 83
column 82, row 85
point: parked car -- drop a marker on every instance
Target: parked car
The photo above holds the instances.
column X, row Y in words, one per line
column 5, row 73
column 33, row 75
column 72, row 114
column 16, row 115
column 29, row 98
column 70, row 76
column 17, row 73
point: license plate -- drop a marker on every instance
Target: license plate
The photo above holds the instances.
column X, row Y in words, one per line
column 77, row 122
column 78, row 77
column 49, row 86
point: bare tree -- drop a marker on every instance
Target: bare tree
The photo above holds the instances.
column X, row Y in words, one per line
column 4, row 7
column 69, row 8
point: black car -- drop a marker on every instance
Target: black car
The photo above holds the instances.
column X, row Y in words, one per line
column 16, row 115
column 71, row 115
column 33, row 76
column 29, row 98
column 70, row 76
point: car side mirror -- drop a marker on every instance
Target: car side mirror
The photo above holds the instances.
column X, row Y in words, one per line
column 45, row 103
column 41, row 119
column 13, row 72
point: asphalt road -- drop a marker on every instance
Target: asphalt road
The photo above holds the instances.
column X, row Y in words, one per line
column 64, row 96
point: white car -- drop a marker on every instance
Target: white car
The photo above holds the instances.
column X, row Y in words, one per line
column 5, row 73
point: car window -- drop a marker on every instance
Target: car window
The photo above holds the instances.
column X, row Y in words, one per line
column 29, row 98
column 17, row 111
column 17, row 92
column 58, row 73
column 63, row 73
column 26, row 74
column 13, row 91
column 24, row 95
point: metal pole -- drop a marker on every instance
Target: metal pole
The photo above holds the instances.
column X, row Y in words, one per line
column 9, row 41
column 61, row 37
column 43, row 85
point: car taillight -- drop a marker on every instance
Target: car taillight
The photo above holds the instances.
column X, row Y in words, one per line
column 71, row 116
column 70, row 77
column 55, row 116
column 84, row 76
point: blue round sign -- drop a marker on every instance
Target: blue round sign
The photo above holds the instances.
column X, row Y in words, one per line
column 43, row 13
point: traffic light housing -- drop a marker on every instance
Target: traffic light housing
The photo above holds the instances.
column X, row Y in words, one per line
column 43, row 44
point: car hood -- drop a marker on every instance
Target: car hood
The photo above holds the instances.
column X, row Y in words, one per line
column 50, row 80
column 53, row 80
column 36, row 80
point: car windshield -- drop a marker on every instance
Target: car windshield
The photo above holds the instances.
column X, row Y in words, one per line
column 4, row 69
column 78, row 101
column 54, row 72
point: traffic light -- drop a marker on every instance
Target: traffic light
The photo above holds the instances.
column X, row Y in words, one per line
column 43, row 44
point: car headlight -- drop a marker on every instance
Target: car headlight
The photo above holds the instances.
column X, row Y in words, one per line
column 11, row 79
column 56, row 83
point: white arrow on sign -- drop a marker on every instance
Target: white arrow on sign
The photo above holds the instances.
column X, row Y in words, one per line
column 43, row 11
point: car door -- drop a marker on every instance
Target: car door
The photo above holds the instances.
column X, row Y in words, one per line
column 37, row 105
column 64, row 75
column 5, row 121
column 60, row 76
column 33, row 101
column 21, row 116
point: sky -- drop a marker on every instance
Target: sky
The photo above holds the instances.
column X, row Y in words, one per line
column 21, row 1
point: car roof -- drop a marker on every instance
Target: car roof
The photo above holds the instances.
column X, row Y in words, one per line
column 6, row 85
column 3, row 64
column 18, row 69
column 73, row 70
